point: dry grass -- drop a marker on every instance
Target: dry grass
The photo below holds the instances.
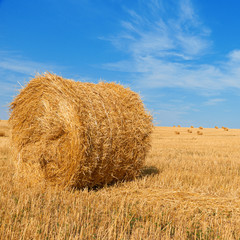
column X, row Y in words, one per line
column 189, row 189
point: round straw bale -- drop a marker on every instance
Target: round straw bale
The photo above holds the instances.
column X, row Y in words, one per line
column 78, row 134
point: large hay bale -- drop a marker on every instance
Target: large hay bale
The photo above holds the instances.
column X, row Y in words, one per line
column 78, row 134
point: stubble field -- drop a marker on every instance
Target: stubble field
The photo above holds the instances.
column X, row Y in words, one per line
column 189, row 189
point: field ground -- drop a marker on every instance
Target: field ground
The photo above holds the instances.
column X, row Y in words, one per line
column 189, row 189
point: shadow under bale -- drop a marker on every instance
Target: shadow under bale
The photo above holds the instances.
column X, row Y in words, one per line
column 145, row 171
column 149, row 170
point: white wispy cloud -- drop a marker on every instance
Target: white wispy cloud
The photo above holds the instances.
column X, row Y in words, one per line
column 235, row 56
column 15, row 63
column 153, row 33
column 214, row 101
column 167, row 51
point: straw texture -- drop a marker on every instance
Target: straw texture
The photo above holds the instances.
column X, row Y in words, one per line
column 78, row 134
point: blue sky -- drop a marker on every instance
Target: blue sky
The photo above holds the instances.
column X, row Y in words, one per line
column 182, row 56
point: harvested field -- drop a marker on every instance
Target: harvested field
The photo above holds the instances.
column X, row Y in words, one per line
column 189, row 189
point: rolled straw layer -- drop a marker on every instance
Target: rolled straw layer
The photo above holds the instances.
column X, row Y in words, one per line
column 78, row 134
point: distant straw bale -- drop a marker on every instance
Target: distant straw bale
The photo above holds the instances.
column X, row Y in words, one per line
column 77, row 134
column 2, row 134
